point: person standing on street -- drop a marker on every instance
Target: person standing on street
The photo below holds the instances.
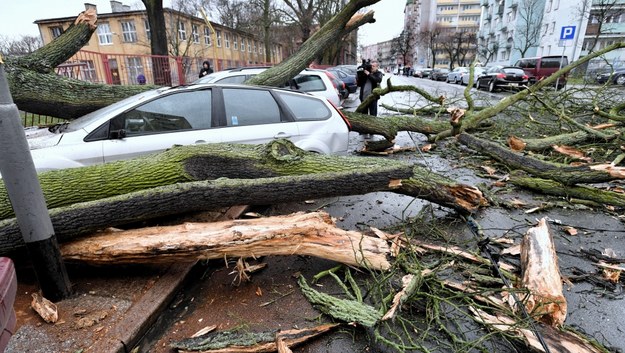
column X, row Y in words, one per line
column 372, row 78
column 206, row 69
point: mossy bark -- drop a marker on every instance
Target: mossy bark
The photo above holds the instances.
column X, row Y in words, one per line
column 564, row 174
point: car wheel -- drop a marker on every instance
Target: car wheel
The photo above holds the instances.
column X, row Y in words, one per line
column 492, row 86
column 620, row 80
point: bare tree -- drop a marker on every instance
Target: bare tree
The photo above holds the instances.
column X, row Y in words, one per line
column 601, row 13
column 403, row 46
column 428, row 39
column 18, row 47
column 529, row 22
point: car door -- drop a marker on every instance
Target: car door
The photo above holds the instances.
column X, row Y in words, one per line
column 180, row 118
column 253, row 115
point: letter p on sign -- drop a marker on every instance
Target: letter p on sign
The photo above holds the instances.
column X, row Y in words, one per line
column 567, row 33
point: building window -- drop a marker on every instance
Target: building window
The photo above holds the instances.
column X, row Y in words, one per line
column 195, row 34
column 87, row 71
column 548, row 5
column 219, row 39
column 553, row 27
column 227, row 39
column 556, row 4
column 135, row 67
column 249, row 47
column 104, row 33
column 56, row 31
column 235, row 42
column 242, row 44
column 129, row 31
column 182, row 32
column 207, row 36
column 148, row 34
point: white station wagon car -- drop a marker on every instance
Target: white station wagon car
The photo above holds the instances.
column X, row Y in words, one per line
column 155, row 120
column 313, row 81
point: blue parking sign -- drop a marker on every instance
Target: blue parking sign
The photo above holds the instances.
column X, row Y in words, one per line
column 567, row 33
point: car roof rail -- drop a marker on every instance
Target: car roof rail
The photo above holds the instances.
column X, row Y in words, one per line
column 248, row 68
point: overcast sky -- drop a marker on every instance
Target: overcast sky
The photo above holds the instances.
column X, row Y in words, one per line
column 17, row 18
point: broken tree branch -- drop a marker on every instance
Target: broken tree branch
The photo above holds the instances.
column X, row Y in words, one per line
column 313, row 234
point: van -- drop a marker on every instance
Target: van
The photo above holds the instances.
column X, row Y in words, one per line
column 540, row 67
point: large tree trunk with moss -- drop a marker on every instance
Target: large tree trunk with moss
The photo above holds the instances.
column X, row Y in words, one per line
column 203, row 177
column 37, row 89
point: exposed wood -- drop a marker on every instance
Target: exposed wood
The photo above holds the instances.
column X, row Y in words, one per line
column 557, row 341
column 313, row 234
column 249, row 342
column 540, row 274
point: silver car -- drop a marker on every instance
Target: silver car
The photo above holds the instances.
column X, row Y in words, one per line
column 203, row 113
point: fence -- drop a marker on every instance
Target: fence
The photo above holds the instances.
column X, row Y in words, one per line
column 132, row 69
column 30, row 119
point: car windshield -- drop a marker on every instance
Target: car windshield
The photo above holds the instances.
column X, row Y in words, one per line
column 87, row 119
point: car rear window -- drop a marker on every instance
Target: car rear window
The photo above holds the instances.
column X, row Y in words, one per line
column 305, row 108
column 307, row 83
column 250, row 107
column 553, row 62
column 238, row 79
column 511, row 70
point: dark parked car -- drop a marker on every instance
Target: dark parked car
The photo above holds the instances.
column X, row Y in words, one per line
column 439, row 74
column 616, row 77
column 349, row 79
column 498, row 77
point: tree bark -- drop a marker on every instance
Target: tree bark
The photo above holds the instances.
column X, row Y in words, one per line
column 37, row 89
column 204, row 177
column 341, row 24
column 564, row 174
column 312, row 234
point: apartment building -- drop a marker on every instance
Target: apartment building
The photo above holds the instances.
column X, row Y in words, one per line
column 605, row 26
column 118, row 52
column 441, row 25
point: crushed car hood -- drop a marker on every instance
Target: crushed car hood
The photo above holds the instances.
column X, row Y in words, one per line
column 41, row 137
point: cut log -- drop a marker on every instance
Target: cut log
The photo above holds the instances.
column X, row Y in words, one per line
column 313, row 234
column 540, row 275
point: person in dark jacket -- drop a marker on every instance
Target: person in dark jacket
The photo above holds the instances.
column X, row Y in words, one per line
column 206, row 69
column 371, row 79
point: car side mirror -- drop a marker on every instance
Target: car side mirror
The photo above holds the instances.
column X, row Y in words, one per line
column 118, row 134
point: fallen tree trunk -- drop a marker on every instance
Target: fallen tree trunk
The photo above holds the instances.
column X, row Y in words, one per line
column 563, row 174
column 313, row 234
column 540, row 274
column 238, row 174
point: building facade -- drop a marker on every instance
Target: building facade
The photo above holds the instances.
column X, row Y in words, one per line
column 118, row 52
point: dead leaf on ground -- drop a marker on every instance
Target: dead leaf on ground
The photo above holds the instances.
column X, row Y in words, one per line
column 516, row 144
column 570, row 230
column 45, row 308
column 427, row 147
column 517, row 203
column 571, row 152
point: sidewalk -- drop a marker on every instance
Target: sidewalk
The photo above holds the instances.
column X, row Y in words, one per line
column 110, row 311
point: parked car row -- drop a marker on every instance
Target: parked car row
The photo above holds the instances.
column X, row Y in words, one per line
column 526, row 71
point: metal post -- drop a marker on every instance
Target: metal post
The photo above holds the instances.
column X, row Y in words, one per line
column 560, row 66
column 20, row 180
